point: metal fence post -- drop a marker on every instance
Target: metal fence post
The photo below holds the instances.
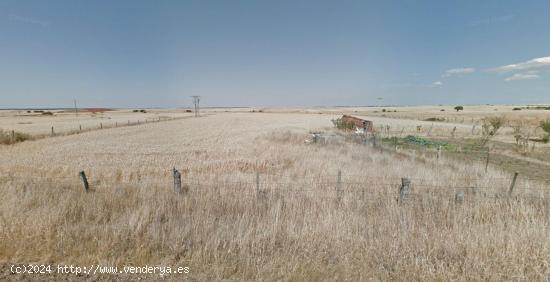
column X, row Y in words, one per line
column 177, row 180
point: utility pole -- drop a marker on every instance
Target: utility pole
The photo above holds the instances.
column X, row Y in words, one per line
column 75, row 108
column 196, row 100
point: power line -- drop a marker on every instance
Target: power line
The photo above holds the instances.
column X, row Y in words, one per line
column 196, row 101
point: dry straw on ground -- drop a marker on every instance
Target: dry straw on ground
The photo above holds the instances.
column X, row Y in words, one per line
column 296, row 230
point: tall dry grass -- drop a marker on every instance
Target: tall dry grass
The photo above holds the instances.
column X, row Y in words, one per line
column 296, row 230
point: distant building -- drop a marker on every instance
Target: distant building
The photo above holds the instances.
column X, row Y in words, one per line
column 360, row 124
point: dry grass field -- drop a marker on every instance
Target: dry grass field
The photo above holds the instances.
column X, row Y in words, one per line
column 303, row 222
column 66, row 121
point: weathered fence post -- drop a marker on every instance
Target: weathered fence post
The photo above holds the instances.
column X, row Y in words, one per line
column 53, row 132
column 513, row 184
column 177, row 180
column 80, row 127
column 438, row 153
column 128, row 122
column 404, row 190
column 459, row 198
column 84, row 181
column 100, row 125
column 13, row 136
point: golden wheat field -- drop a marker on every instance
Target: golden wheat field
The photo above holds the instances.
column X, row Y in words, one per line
column 260, row 203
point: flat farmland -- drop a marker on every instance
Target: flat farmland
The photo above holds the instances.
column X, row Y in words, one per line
column 40, row 122
column 260, row 202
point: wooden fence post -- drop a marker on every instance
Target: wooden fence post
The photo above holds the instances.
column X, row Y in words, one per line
column 13, row 136
column 513, row 184
column 404, row 190
column 84, row 181
column 459, row 198
column 53, row 132
column 438, row 153
column 80, row 127
column 100, row 125
column 128, row 122
column 177, row 180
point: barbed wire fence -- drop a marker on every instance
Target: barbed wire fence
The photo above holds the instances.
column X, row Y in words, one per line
column 335, row 186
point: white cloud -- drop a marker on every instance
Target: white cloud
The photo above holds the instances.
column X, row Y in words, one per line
column 458, row 71
column 523, row 76
column 29, row 20
column 537, row 63
column 492, row 20
column 436, row 84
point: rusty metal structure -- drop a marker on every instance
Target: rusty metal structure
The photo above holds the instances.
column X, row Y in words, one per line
column 366, row 125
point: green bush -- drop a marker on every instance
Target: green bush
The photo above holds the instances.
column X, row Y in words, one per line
column 545, row 125
column 459, row 108
column 424, row 142
column 343, row 125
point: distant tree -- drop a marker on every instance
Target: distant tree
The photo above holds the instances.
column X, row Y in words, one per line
column 459, row 108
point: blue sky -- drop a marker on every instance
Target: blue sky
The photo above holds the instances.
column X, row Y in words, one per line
column 273, row 53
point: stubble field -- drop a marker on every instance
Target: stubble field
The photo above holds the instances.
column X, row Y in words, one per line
column 262, row 204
